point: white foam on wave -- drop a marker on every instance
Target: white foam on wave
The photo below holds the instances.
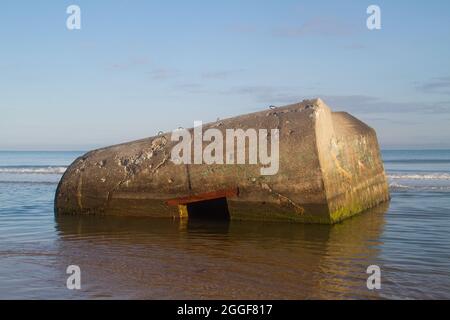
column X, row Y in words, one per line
column 399, row 186
column 34, row 170
column 420, row 176
column 402, row 187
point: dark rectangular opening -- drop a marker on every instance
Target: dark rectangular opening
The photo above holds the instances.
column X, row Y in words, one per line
column 213, row 209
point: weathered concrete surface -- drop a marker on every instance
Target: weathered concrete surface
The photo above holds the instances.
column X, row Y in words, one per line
column 330, row 169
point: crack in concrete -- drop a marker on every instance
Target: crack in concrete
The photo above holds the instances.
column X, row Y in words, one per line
column 300, row 209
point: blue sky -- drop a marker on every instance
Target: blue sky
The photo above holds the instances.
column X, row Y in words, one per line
column 139, row 67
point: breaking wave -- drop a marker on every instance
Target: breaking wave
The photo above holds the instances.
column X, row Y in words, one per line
column 419, row 181
column 401, row 187
column 398, row 186
column 420, row 176
column 417, row 161
column 33, row 169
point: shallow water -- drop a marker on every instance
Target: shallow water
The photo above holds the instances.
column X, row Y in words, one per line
column 166, row 259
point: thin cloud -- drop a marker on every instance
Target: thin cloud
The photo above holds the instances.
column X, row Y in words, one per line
column 352, row 103
column 438, row 85
column 370, row 104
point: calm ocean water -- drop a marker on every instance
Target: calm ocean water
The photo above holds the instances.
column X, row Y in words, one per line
column 409, row 239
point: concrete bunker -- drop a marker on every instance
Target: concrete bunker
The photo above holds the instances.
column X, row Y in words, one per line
column 330, row 168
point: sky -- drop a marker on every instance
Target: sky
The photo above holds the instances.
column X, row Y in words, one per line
column 139, row 67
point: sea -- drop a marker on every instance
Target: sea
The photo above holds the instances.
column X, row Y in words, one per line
column 406, row 242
